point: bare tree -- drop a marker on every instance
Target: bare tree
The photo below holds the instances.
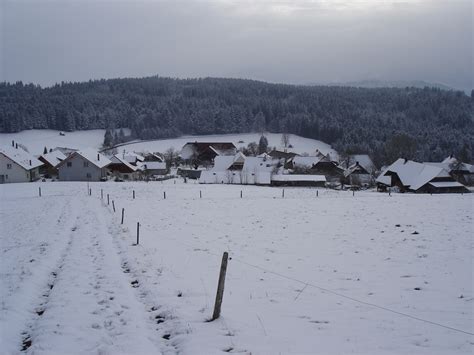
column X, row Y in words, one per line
column 285, row 140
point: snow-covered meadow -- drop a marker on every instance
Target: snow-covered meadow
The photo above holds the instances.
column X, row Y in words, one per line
column 308, row 273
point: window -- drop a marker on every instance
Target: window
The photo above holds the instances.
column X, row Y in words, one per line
column 88, row 175
column 86, row 164
column 9, row 166
column 69, row 164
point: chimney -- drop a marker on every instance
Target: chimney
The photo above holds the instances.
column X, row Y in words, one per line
column 30, row 162
column 406, row 160
column 13, row 144
column 98, row 156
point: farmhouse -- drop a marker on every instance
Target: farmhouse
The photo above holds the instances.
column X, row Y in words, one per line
column 132, row 158
column 462, row 172
column 319, row 164
column 17, row 165
column 410, row 176
column 152, row 168
column 239, row 169
column 278, row 154
column 358, row 175
column 84, row 165
column 51, row 161
column 122, row 169
column 202, row 153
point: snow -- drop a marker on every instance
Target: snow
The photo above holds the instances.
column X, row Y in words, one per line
column 306, row 162
column 99, row 160
column 446, row 184
column 21, row 157
column 293, row 262
column 36, row 139
column 54, row 157
column 300, row 145
column 119, row 159
column 415, row 175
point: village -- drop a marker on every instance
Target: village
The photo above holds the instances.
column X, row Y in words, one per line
column 223, row 163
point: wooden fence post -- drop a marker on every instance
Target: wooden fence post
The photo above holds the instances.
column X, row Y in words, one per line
column 39, row 191
column 283, row 193
column 389, row 191
column 123, row 212
column 113, row 205
column 134, row 194
column 108, row 199
column 353, row 193
column 200, row 194
column 220, row 287
column 164, row 195
column 138, row 233
column 240, row 193
column 317, row 193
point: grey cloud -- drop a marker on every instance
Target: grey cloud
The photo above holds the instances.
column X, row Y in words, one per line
column 279, row 41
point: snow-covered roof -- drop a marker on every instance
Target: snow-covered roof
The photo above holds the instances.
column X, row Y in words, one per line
column 306, row 162
column 131, row 157
column 446, row 184
column 153, row 165
column 20, row 157
column 414, row 175
column 364, row 161
column 295, row 177
column 384, row 179
column 119, row 159
column 94, row 157
column 354, row 167
column 54, row 157
column 451, row 163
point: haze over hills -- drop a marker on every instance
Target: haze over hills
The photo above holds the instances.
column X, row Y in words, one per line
column 426, row 124
column 375, row 83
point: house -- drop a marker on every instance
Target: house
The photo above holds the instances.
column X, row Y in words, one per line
column 462, row 172
column 83, row 165
column 152, row 168
column 239, row 169
column 282, row 155
column 298, row 180
column 132, row 158
column 121, row 169
column 17, row 165
column 203, row 153
column 410, row 176
column 65, row 150
column 319, row 164
column 50, row 162
column 358, row 175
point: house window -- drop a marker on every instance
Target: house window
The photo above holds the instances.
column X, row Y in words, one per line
column 86, row 164
column 9, row 166
column 88, row 175
column 69, row 164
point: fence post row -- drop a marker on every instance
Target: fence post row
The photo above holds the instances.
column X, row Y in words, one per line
column 220, row 287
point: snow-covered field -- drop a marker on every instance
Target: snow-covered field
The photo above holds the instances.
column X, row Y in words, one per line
column 36, row 140
column 307, row 274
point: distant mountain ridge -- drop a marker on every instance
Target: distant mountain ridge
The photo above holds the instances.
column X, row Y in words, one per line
column 433, row 123
column 374, row 83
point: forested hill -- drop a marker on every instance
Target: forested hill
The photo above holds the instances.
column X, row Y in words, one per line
column 431, row 123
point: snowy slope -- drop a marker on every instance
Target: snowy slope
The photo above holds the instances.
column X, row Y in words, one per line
column 300, row 144
column 73, row 282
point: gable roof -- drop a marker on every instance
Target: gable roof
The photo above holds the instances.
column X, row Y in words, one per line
column 20, row 157
column 306, row 162
column 355, row 167
column 452, row 164
column 414, row 175
column 118, row 159
column 54, row 157
column 364, row 161
column 99, row 160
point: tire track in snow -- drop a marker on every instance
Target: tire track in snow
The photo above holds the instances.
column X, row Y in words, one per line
column 91, row 307
column 160, row 319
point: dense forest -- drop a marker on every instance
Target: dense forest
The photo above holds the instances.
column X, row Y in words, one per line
column 424, row 124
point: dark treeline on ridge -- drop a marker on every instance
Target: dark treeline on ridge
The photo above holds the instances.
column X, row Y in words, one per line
column 430, row 123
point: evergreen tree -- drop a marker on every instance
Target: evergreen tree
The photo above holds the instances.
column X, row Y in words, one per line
column 262, row 145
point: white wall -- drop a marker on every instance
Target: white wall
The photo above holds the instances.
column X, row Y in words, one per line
column 235, row 177
column 16, row 173
column 78, row 172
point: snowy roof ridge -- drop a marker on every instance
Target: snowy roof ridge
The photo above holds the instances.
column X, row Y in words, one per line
column 21, row 157
column 54, row 157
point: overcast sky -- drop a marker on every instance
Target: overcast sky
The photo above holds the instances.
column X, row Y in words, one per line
column 291, row 41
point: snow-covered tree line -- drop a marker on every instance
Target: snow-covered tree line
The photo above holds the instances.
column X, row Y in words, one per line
column 429, row 123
